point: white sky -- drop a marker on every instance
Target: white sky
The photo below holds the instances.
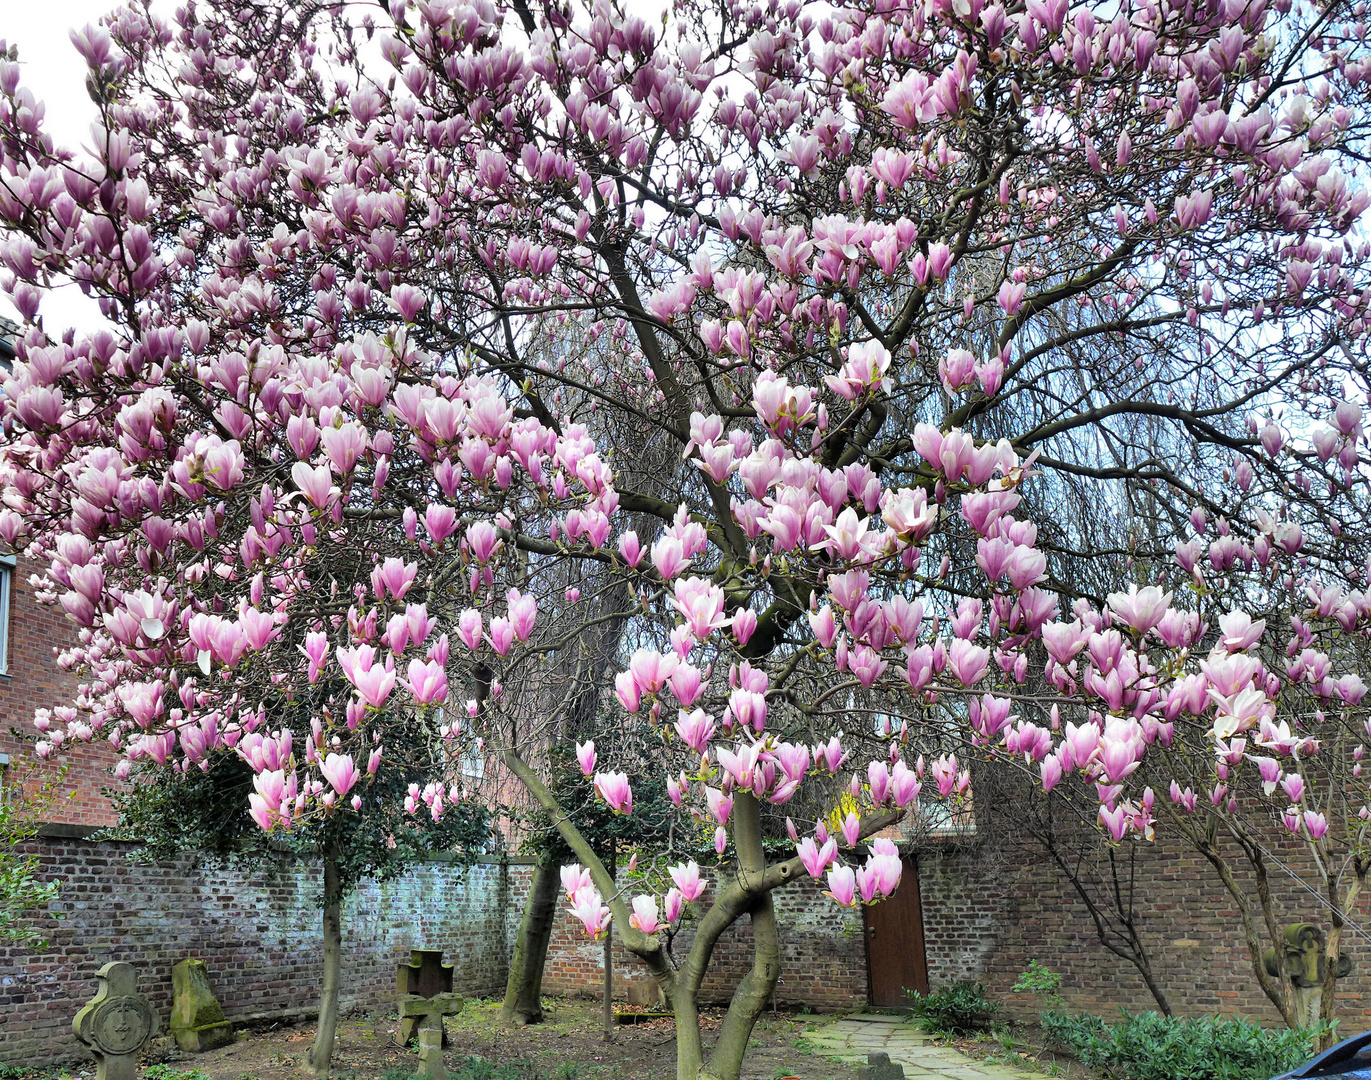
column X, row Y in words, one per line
column 53, row 69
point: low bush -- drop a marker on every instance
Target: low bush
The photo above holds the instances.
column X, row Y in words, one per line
column 959, row 1009
column 1149, row 1046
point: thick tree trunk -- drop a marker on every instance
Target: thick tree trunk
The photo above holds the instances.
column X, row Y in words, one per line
column 523, row 993
column 755, row 990
column 320, row 1055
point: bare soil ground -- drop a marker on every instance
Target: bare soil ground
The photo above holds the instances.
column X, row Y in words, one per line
column 570, row 1045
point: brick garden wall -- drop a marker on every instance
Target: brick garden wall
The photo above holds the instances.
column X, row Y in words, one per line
column 259, row 934
column 34, row 681
column 987, row 914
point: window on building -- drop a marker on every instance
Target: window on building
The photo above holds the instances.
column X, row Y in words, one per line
column 6, row 593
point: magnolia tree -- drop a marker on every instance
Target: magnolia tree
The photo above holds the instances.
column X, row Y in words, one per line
column 863, row 268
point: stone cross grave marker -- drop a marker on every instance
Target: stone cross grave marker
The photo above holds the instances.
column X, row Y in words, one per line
column 425, row 975
column 1304, row 947
column 429, row 1012
column 117, row 1023
column 197, row 1020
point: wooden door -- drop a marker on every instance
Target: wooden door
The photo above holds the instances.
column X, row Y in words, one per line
column 895, row 958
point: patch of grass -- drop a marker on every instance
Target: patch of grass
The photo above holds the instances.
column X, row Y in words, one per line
column 567, row 1070
column 803, row 1045
column 167, row 1072
column 399, row 1072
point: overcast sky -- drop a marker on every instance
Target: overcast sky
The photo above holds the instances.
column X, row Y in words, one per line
column 56, row 74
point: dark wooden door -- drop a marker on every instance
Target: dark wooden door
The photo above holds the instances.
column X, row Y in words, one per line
column 895, row 958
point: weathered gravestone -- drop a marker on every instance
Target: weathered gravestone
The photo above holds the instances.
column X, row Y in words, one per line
column 429, row 1013
column 1304, row 946
column 878, row 1067
column 197, row 1020
column 424, row 975
column 116, row 1024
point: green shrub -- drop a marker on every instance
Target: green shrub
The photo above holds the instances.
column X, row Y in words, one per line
column 399, row 1072
column 1149, row 1046
column 958, row 1009
column 1043, row 983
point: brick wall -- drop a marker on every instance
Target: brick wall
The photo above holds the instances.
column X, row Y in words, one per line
column 987, row 913
column 35, row 681
column 823, row 959
column 258, row 932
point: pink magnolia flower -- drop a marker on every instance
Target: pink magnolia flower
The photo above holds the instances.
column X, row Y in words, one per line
column 957, row 370
column 440, row 521
column 315, row 483
column 394, row 576
column 630, row 548
column 644, row 915
column 427, row 682
column 523, row 612
column 967, row 662
column 650, row 669
column 904, row 785
column 668, row 556
column 881, row 874
column 1316, row 823
column 1141, row 609
column 588, row 906
column 344, row 446
column 501, row 634
column 1239, row 632
column 614, row 788
column 744, row 625
column 945, row 774
column 585, row 756
column 626, row 690
column 695, row 728
column 469, row 630
column 720, row 805
column 483, row 540
column 672, row 906
column 340, row 772
column 842, row 886
column 701, row 603
column 816, row 859
column 686, row 683
column 687, row 879
column 1116, row 820
column 575, row 877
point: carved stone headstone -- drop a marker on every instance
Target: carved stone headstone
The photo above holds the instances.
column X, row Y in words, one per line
column 425, row 975
column 117, row 1023
column 197, row 1020
column 429, row 1013
column 1304, row 945
column 878, row 1067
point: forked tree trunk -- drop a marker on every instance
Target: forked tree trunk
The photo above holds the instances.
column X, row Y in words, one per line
column 725, row 1061
column 523, row 992
column 746, row 891
column 320, row 1055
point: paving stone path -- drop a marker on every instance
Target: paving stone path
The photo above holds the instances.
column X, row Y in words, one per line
column 853, row 1037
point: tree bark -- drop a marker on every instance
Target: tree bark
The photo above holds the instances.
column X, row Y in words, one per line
column 757, row 986
column 320, row 1055
column 523, row 992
